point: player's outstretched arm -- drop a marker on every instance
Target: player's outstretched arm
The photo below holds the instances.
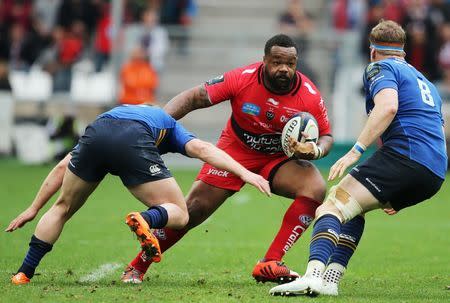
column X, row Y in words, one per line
column 384, row 111
column 187, row 101
column 207, row 152
column 49, row 187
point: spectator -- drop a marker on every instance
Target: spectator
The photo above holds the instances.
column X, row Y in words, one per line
column 102, row 44
column 298, row 24
column 139, row 79
column 16, row 12
column 178, row 13
column 154, row 39
column 4, row 80
column 65, row 50
column 45, row 13
column 421, row 48
column 444, row 62
column 86, row 11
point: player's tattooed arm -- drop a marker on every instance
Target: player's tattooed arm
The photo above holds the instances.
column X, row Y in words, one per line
column 187, row 101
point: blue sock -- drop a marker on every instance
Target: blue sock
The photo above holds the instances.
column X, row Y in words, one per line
column 36, row 252
column 156, row 216
column 349, row 237
column 324, row 239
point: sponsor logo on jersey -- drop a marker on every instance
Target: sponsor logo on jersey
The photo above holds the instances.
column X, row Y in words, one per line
column 249, row 71
column 270, row 115
column 251, row 109
column 284, row 119
column 154, row 169
column 306, row 220
column 215, row 80
column 372, row 70
column 216, row 172
column 296, row 232
column 273, row 101
column 310, row 89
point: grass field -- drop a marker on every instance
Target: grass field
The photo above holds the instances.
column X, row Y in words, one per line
column 405, row 258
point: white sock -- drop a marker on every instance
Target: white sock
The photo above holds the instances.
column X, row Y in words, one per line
column 333, row 273
column 315, row 269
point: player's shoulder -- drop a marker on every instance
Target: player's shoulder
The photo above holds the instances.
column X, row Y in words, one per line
column 307, row 88
column 248, row 71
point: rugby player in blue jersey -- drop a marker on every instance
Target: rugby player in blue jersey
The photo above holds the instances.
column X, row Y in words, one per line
column 404, row 108
column 126, row 141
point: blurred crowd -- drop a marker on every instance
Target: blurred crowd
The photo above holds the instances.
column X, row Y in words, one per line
column 427, row 23
column 60, row 36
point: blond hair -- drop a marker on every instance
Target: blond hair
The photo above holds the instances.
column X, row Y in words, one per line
column 388, row 34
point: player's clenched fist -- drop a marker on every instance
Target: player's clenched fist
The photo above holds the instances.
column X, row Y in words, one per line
column 307, row 150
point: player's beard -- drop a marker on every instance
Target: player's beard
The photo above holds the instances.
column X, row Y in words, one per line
column 279, row 83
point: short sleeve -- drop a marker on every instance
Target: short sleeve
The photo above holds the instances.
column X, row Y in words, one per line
column 378, row 76
column 319, row 111
column 223, row 87
column 178, row 137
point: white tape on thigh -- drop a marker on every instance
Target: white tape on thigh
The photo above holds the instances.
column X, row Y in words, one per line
column 349, row 209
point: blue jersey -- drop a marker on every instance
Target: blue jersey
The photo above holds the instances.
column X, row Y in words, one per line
column 416, row 131
column 170, row 136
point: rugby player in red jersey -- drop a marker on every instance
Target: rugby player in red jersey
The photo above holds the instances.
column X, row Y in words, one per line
column 263, row 96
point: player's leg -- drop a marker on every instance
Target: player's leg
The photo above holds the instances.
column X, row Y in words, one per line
column 202, row 201
column 307, row 193
column 345, row 201
column 349, row 238
column 74, row 192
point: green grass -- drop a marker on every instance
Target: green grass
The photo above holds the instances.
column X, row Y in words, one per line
column 405, row 258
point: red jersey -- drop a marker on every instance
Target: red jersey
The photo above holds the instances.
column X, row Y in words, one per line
column 259, row 115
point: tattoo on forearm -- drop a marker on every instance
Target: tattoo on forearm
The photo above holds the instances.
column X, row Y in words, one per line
column 188, row 101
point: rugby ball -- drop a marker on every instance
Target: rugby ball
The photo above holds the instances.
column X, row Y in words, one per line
column 300, row 122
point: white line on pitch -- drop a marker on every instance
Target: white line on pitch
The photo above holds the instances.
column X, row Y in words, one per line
column 101, row 272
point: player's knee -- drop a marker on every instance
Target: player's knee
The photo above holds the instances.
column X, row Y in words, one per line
column 62, row 209
column 196, row 212
column 340, row 204
column 315, row 188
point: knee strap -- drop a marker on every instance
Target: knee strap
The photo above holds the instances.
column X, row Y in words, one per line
column 345, row 203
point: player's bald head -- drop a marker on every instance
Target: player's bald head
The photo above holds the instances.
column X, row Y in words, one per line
column 280, row 40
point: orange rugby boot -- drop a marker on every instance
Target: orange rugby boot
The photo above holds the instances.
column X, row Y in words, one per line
column 149, row 243
column 19, row 279
column 132, row 275
column 273, row 271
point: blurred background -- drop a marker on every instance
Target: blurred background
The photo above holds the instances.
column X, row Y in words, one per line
column 62, row 62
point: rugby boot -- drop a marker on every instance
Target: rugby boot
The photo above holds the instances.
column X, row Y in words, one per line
column 19, row 279
column 306, row 285
column 273, row 271
column 132, row 275
column 149, row 243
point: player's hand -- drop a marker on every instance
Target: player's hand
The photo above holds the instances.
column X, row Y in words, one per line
column 341, row 165
column 28, row 215
column 390, row 211
column 306, row 151
column 257, row 181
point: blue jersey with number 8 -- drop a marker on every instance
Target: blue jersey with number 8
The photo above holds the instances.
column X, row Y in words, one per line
column 416, row 130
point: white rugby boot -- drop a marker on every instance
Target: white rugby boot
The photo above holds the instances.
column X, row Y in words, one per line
column 310, row 284
column 331, row 278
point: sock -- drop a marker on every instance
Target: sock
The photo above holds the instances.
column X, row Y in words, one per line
column 333, row 273
column 295, row 221
column 324, row 239
column 167, row 238
column 351, row 233
column 36, row 252
column 156, row 216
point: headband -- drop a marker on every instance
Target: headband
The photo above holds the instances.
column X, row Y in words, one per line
column 387, row 46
